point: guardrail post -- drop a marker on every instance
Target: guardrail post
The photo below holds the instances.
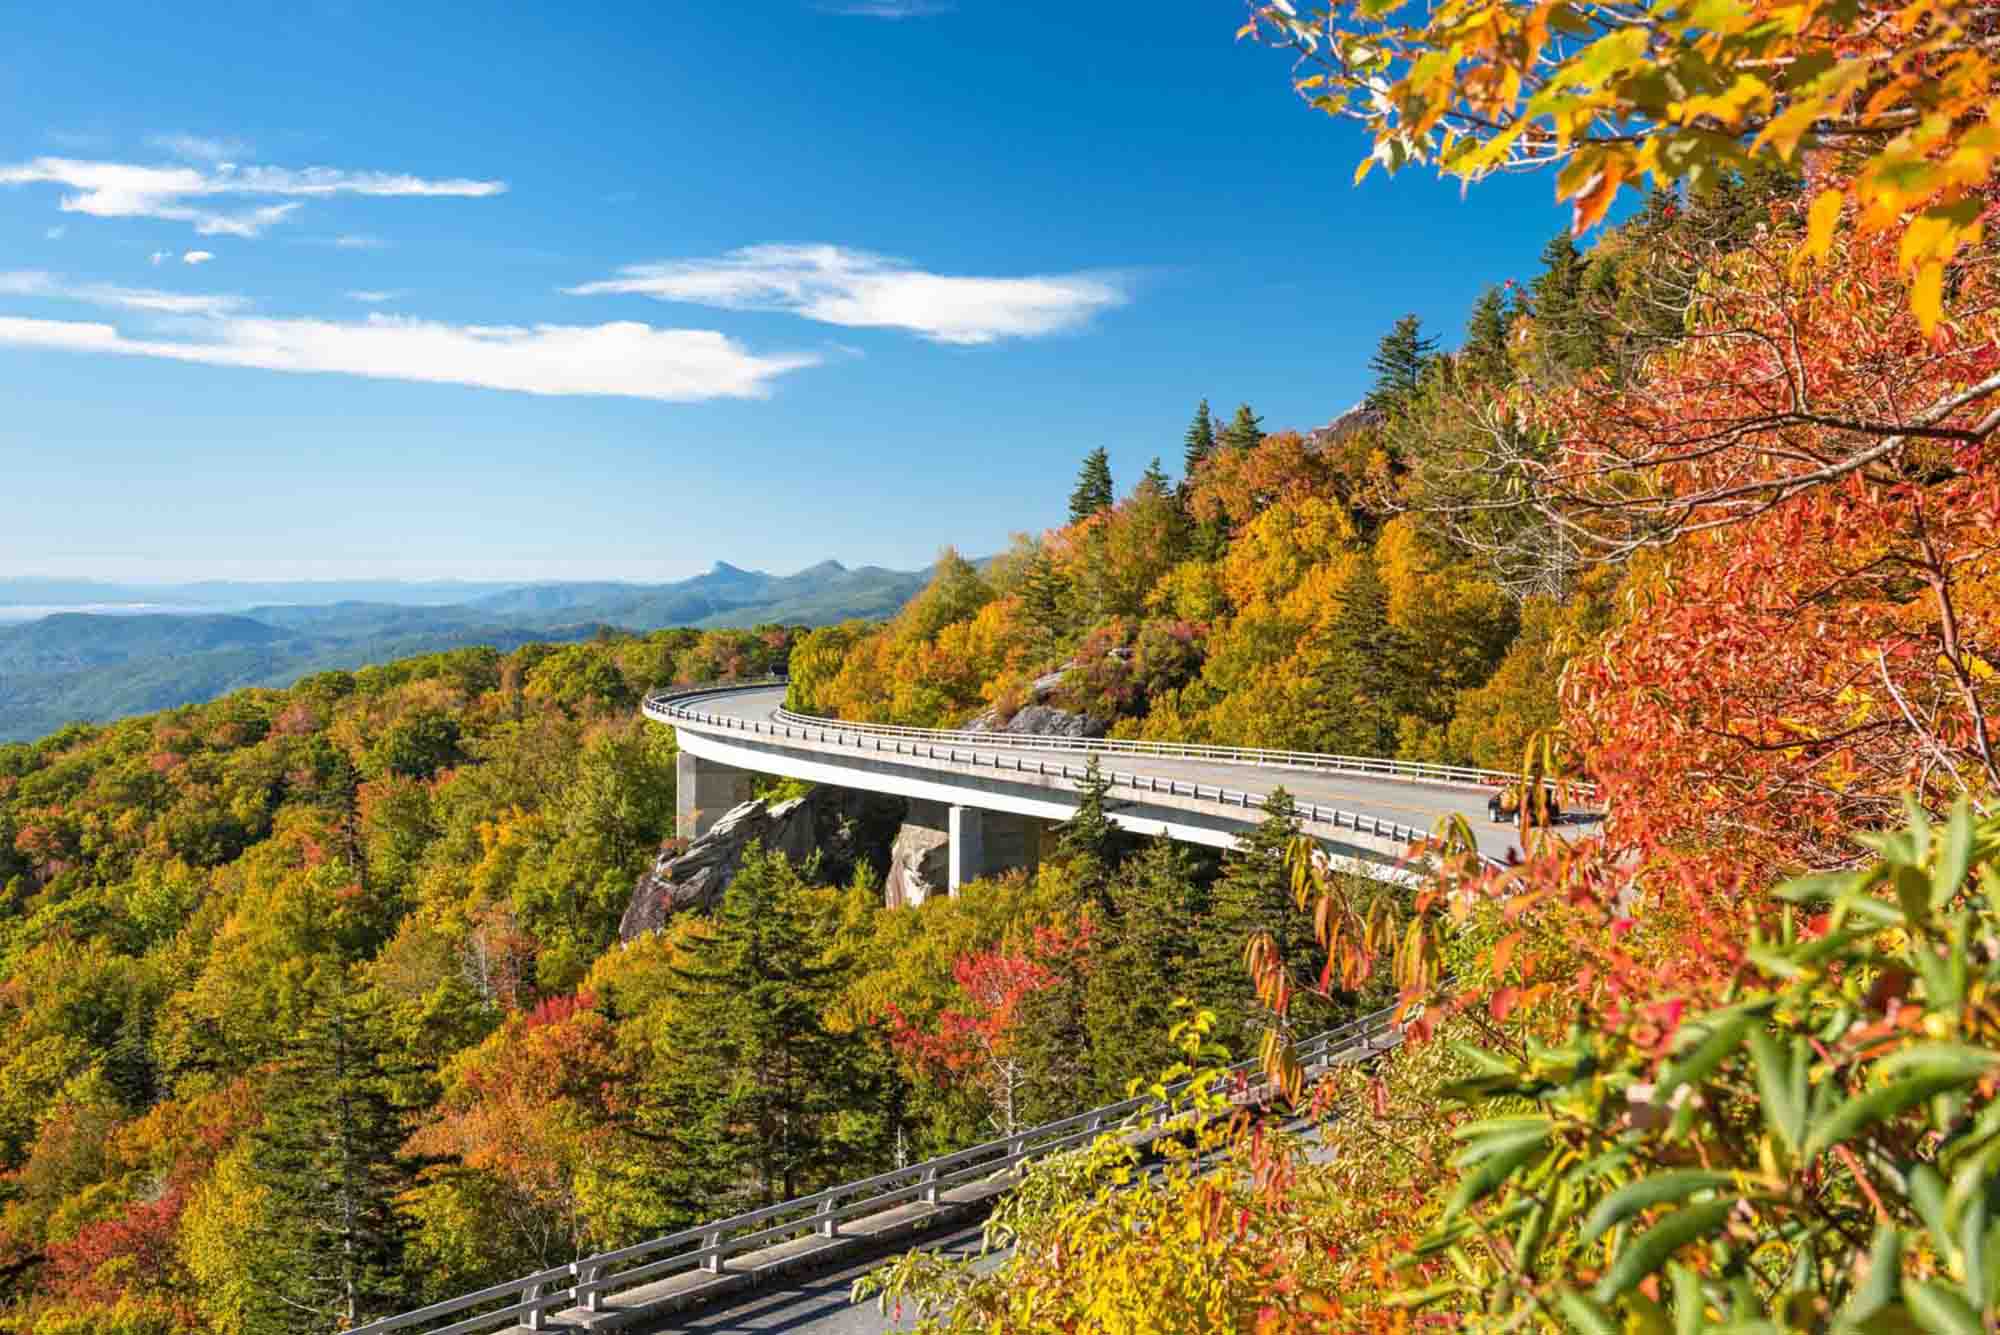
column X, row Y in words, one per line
column 712, row 1263
column 826, row 1225
column 536, row 1319
column 930, row 1181
column 586, row 1275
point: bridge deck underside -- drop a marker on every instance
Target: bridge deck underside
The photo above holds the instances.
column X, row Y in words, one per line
column 1410, row 803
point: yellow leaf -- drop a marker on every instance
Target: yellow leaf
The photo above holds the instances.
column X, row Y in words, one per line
column 1927, row 296
column 1820, row 222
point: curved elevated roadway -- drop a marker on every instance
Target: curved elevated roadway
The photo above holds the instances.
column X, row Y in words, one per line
column 768, row 1269
column 1366, row 809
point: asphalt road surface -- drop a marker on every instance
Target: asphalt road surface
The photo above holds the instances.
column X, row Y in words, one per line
column 1416, row 804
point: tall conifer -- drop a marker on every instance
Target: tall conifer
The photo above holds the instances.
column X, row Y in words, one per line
column 774, row 1102
column 1245, row 430
column 1093, row 487
column 329, row 1249
column 1484, row 356
column 1253, row 895
column 1399, row 364
column 1200, row 441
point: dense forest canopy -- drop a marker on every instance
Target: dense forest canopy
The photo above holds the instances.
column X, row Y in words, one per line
column 314, row 1005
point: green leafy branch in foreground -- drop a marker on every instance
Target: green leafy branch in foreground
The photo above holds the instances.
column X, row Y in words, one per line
column 1821, row 1153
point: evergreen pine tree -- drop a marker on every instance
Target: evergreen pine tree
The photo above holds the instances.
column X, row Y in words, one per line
column 1245, row 430
column 1089, row 840
column 1200, row 441
column 1052, row 1044
column 1568, row 308
column 1144, row 965
column 329, row 1249
column 1399, row 364
column 1366, row 673
column 1044, row 595
column 765, row 1094
column 1155, row 480
column 1253, row 895
column 1093, row 487
column 1484, row 356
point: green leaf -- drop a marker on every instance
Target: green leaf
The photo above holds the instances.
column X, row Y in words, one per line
column 1959, row 1061
column 1820, row 886
column 1497, row 1126
column 1940, row 1308
column 1653, row 1248
column 1954, row 858
column 1689, row 1303
column 1927, row 1193
column 1630, row 1199
column 1885, row 1275
column 1585, row 1315
column 1495, row 1166
column 1876, row 1106
column 1781, row 1086
column 1913, row 892
column 1707, row 1054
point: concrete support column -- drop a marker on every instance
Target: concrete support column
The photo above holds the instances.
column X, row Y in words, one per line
column 704, row 791
column 1013, row 843
column 967, row 828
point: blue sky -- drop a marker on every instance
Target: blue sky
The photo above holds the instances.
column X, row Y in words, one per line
column 348, row 289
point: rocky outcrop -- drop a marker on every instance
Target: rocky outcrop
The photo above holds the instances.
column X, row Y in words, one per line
column 919, row 866
column 840, row 826
column 1038, row 718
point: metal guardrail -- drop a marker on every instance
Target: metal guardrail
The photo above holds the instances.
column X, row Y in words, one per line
column 1410, row 771
column 588, row 1283
column 995, row 750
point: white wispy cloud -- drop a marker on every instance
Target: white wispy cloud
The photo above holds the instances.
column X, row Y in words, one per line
column 373, row 298
column 201, row 148
column 197, row 257
column 158, row 257
column 889, row 9
column 359, row 241
column 624, row 358
column 856, row 289
column 56, row 233
column 189, row 194
column 39, row 283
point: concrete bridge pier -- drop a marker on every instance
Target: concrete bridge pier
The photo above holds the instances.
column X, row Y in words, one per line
column 985, row 843
column 704, row 791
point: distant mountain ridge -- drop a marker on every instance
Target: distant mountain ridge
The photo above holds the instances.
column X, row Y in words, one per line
column 97, row 666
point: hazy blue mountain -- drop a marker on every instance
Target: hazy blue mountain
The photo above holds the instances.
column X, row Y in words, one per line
column 43, row 591
column 103, row 665
column 74, row 640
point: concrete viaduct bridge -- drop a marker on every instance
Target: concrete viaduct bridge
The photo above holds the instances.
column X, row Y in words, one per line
column 998, row 794
column 780, row 1267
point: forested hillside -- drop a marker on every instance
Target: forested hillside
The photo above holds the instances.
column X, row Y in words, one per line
column 314, row 1007
column 1705, row 511
column 99, row 665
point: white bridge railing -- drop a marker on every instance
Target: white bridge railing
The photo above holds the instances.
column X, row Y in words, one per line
column 996, row 751
column 1409, row 771
column 591, row 1282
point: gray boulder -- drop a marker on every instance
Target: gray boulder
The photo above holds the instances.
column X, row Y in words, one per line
column 919, row 866
column 840, row 826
